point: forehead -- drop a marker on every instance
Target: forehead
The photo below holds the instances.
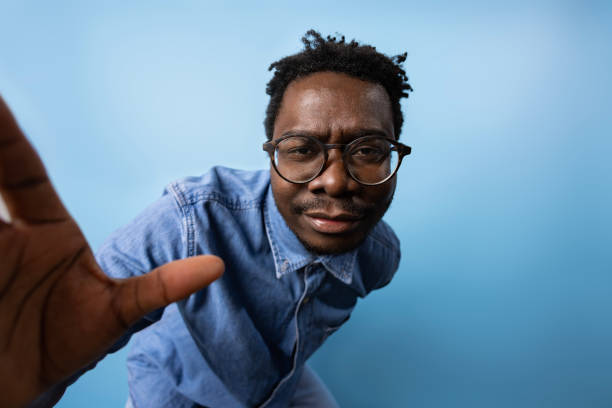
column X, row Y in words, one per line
column 328, row 103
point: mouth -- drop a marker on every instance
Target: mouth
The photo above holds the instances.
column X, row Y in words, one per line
column 339, row 223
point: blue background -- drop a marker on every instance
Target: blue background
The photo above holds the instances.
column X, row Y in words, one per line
column 504, row 291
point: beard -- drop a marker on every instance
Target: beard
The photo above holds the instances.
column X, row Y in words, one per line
column 370, row 213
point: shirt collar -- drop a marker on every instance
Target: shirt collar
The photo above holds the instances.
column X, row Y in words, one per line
column 289, row 253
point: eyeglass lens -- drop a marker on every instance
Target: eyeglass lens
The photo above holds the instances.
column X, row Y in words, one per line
column 370, row 161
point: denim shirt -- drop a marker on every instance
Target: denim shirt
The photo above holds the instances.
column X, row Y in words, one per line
column 242, row 341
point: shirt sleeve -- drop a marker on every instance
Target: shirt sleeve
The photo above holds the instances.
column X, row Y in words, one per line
column 392, row 244
column 153, row 238
column 385, row 280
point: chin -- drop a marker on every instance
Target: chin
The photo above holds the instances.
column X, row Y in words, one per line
column 332, row 246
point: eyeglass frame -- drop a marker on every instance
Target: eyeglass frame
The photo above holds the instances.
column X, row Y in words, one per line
column 402, row 150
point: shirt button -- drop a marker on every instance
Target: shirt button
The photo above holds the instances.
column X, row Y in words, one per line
column 306, row 299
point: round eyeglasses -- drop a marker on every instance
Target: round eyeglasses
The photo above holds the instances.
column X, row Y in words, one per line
column 369, row 160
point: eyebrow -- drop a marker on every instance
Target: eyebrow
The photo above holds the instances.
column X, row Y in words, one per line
column 348, row 135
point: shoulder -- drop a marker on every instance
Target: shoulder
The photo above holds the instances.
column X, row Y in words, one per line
column 166, row 229
column 231, row 188
column 384, row 235
column 378, row 257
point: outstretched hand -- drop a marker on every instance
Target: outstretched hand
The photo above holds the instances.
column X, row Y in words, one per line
column 58, row 310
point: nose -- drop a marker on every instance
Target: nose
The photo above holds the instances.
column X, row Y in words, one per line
column 334, row 180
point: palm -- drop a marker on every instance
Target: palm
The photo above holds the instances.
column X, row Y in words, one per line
column 53, row 298
column 59, row 310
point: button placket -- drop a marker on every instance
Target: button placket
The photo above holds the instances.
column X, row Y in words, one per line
column 296, row 346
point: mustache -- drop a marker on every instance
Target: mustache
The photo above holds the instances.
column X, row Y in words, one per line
column 346, row 205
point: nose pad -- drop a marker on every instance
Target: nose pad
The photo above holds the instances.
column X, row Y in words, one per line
column 335, row 179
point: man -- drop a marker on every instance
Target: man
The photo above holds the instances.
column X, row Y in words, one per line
column 299, row 244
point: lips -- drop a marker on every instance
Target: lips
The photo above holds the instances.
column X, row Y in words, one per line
column 338, row 223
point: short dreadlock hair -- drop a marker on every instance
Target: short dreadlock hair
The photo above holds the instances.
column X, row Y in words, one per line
column 331, row 54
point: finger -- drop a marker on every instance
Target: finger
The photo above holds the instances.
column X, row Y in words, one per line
column 24, row 184
column 166, row 284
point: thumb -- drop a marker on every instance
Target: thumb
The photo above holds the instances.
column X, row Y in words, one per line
column 166, row 284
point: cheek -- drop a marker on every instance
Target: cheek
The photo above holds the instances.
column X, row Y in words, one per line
column 382, row 194
column 284, row 193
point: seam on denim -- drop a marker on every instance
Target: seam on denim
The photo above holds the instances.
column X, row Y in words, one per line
column 187, row 212
column 348, row 268
column 297, row 343
column 294, row 266
column 275, row 251
column 345, row 271
column 393, row 268
column 127, row 260
column 197, row 197
column 379, row 239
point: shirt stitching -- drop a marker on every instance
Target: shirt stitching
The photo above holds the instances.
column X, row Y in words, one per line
column 297, row 343
column 197, row 197
column 188, row 221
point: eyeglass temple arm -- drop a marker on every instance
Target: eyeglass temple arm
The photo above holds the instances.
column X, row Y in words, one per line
column 404, row 150
column 268, row 147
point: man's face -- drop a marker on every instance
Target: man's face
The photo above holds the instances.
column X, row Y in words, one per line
column 332, row 213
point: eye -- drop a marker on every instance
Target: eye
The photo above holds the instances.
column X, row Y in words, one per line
column 297, row 149
column 370, row 154
column 374, row 150
column 363, row 151
column 301, row 150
